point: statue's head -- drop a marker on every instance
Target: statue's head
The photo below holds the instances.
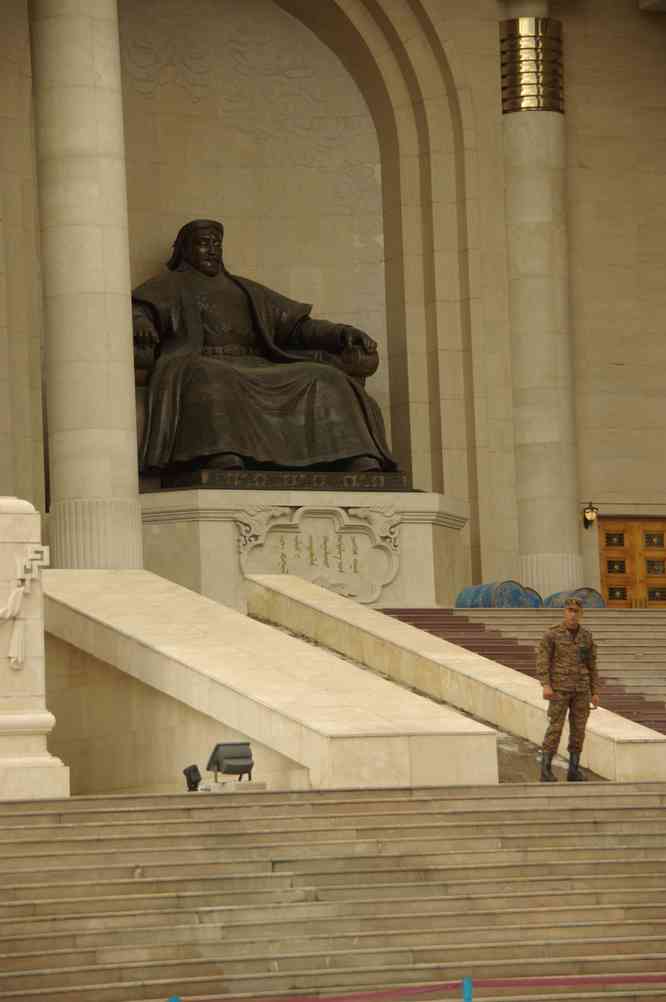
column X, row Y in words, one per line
column 199, row 244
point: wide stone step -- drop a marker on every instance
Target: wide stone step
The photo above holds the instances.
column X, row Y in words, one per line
column 525, row 993
column 453, row 813
column 594, row 992
column 408, row 846
column 129, row 865
column 151, row 901
column 427, row 825
column 636, row 955
column 210, row 942
column 328, row 800
column 330, row 979
column 310, row 798
column 627, row 666
column 268, row 894
column 634, row 855
column 134, row 864
column 214, row 960
column 600, row 630
column 505, row 865
column 461, row 909
column 518, row 867
column 503, row 797
column 625, row 886
column 221, row 884
column 495, row 880
column 339, row 928
column 228, row 807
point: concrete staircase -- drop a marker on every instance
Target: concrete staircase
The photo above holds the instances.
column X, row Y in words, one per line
column 265, row 894
column 631, row 643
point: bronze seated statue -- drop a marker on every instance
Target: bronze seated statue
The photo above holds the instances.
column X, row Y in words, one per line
column 238, row 376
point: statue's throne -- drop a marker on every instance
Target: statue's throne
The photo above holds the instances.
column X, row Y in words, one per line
column 354, row 361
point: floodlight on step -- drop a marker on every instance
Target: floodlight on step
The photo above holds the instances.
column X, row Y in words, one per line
column 231, row 758
column 192, row 777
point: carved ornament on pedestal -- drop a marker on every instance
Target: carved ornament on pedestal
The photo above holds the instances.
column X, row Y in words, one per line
column 354, row 551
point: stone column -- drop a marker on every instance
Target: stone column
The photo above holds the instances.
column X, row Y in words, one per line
column 26, row 768
column 95, row 516
column 542, row 366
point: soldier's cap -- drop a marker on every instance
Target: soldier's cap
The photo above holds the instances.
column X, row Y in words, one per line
column 573, row 603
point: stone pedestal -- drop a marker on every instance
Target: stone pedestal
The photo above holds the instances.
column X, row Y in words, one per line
column 27, row 770
column 381, row 549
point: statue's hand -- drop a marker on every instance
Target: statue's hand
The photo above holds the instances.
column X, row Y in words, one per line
column 145, row 334
column 354, row 338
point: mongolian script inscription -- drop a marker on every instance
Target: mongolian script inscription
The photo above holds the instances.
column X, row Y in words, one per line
column 355, row 554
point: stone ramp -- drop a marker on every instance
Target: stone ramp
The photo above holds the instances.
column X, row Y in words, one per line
column 203, row 668
column 616, row 747
column 325, row 892
column 631, row 642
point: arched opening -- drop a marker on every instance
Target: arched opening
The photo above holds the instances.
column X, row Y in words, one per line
column 188, row 90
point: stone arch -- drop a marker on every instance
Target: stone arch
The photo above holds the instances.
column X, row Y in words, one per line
column 410, row 80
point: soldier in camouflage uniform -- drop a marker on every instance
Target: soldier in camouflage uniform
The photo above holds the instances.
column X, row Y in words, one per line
column 567, row 670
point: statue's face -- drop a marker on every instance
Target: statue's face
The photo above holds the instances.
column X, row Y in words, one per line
column 205, row 251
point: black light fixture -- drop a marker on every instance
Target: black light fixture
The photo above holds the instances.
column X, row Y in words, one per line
column 590, row 512
column 232, row 758
column 193, row 778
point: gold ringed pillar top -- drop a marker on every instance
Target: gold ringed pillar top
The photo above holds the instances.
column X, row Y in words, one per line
column 532, row 74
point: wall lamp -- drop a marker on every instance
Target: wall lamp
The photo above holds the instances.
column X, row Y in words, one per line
column 590, row 512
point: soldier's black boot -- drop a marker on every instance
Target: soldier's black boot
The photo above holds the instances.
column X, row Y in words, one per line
column 547, row 774
column 574, row 774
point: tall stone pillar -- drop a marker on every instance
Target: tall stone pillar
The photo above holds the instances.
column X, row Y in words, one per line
column 542, row 365
column 95, row 516
column 27, row 770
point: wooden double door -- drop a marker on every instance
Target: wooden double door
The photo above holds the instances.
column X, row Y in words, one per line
column 633, row 562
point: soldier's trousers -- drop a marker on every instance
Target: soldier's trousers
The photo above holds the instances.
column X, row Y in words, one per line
column 578, row 706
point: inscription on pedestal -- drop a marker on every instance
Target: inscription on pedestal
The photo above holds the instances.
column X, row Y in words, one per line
column 284, row 480
column 355, row 552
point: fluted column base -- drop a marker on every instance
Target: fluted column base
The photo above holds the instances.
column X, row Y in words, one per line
column 96, row 534
column 551, row 572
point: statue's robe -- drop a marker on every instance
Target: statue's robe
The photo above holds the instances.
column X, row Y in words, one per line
column 255, row 391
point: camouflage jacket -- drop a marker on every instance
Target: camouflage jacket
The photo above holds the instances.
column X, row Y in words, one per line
column 567, row 661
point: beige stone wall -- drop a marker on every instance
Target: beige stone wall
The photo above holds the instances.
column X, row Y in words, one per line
column 277, row 139
column 482, row 418
column 236, row 108
column 236, row 111
column 118, row 735
column 616, row 131
column 21, row 457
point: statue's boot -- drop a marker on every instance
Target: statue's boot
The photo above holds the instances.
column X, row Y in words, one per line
column 362, row 464
column 574, row 774
column 547, row 774
column 226, row 461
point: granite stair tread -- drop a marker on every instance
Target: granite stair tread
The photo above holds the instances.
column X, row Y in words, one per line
column 333, row 979
column 245, row 963
column 337, row 894
column 155, row 947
